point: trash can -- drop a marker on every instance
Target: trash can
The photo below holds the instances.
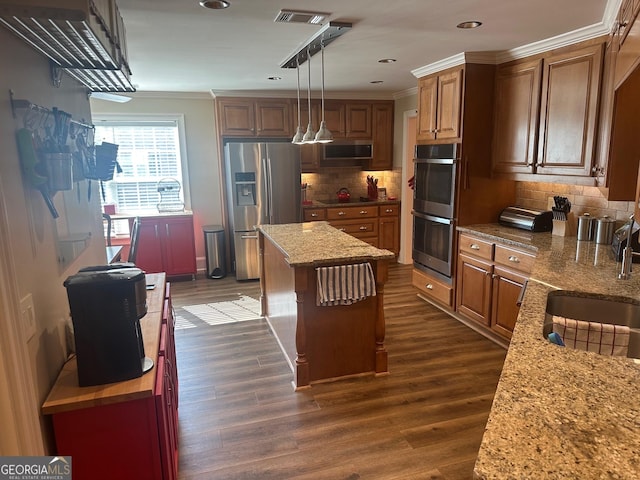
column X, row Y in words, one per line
column 215, row 251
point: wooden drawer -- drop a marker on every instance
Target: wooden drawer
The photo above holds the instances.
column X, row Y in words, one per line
column 314, row 214
column 476, row 247
column 389, row 210
column 346, row 213
column 514, row 258
column 365, row 228
column 432, row 288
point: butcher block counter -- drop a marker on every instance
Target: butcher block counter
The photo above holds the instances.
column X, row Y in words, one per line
column 321, row 343
column 561, row 413
column 66, row 395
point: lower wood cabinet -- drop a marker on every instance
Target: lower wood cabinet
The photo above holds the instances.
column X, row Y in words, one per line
column 474, row 288
column 125, row 430
column 167, row 244
column 490, row 281
column 376, row 224
column 432, row 288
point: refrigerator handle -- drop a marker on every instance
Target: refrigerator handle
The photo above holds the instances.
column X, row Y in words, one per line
column 266, row 164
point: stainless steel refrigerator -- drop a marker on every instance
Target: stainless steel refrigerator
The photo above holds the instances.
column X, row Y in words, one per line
column 263, row 187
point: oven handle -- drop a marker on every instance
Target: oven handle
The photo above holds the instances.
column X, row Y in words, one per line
column 446, row 221
column 439, row 161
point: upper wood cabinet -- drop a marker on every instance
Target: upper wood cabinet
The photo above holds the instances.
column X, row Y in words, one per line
column 246, row 117
column 569, row 112
column 517, row 111
column 439, row 105
column 382, row 137
column 546, row 113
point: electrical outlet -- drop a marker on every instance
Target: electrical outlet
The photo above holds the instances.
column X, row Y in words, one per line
column 28, row 317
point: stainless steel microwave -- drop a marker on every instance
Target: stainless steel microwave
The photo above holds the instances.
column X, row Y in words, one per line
column 341, row 151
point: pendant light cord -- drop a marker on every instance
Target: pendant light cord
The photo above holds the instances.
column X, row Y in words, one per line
column 309, row 87
column 298, row 72
column 322, row 68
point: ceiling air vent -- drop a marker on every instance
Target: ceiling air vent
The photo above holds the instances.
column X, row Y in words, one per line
column 290, row 16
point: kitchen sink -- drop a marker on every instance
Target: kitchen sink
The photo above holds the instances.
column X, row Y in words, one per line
column 593, row 307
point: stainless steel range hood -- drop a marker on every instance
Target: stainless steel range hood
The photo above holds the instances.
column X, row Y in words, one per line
column 86, row 38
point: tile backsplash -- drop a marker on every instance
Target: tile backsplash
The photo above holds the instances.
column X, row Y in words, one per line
column 324, row 186
column 539, row 196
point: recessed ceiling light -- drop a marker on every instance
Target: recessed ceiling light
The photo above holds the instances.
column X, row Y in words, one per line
column 376, row 82
column 274, row 78
column 387, row 60
column 469, row 24
column 214, row 4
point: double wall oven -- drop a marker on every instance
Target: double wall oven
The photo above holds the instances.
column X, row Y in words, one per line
column 434, row 194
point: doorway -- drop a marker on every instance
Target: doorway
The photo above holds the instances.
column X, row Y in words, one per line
column 406, row 220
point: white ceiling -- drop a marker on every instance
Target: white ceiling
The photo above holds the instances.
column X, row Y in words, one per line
column 178, row 46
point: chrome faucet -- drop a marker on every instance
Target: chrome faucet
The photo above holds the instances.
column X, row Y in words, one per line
column 627, row 253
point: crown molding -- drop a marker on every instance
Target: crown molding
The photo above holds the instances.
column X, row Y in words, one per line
column 585, row 33
column 405, row 93
column 338, row 95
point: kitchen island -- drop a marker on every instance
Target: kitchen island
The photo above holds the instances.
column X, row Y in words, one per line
column 321, row 342
column 561, row 413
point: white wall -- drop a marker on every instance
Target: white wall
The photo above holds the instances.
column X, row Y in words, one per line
column 203, row 162
column 28, row 254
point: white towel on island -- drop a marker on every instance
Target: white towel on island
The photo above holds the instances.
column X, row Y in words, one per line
column 596, row 337
column 345, row 284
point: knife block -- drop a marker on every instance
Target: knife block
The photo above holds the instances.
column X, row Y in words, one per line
column 565, row 228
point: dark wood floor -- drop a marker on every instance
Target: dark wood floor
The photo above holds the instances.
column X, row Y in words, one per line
column 241, row 419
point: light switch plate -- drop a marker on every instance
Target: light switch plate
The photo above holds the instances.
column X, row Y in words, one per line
column 28, row 317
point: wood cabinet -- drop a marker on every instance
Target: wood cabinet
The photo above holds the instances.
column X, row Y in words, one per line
column 439, row 105
column 382, row 130
column 474, row 270
column 546, row 115
column 376, row 224
column 135, row 421
column 432, row 289
column 491, row 279
column 246, row 117
column 517, row 113
column 389, row 228
column 359, row 221
column 569, row 111
column 167, row 244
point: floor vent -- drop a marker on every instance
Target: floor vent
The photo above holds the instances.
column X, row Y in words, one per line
column 290, row 16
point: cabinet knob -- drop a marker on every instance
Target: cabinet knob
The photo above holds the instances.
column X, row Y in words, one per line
column 514, row 259
column 341, row 229
column 429, row 286
column 389, row 210
column 494, row 276
column 363, row 228
column 363, row 212
column 341, row 213
column 314, row 215
column 474, row 246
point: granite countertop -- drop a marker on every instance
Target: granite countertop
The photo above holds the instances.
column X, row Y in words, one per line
column 318, row 243
column 561, row 413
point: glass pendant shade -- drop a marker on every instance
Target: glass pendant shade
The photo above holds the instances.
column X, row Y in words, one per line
column 323, row 135
column 298, row 137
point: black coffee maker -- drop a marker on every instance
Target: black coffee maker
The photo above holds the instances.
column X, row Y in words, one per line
column 106, row 305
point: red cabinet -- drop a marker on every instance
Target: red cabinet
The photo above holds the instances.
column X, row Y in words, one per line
column 125, row 430
column 167, row 244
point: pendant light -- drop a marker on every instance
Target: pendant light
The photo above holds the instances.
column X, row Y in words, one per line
column 310, row 135
column 323, row 135
column 298, row 137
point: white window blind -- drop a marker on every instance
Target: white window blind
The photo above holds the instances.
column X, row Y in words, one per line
column 148, row 153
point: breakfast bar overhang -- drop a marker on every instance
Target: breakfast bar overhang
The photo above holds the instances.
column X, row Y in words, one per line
column 323, row 340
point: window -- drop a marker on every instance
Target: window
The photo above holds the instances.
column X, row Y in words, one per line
column 149, row 154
